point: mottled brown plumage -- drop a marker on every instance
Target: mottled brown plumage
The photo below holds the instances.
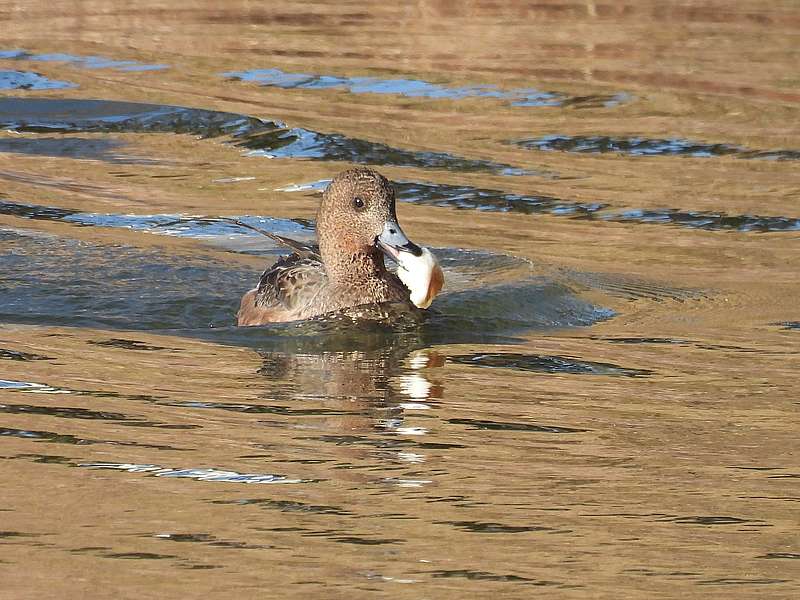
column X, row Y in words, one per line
column 347, row 269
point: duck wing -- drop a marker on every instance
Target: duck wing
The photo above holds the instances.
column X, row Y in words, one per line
column 287, row 291
column 292, row 283
column 301, row 249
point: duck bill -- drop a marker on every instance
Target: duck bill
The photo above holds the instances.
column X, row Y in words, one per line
column 393, row 241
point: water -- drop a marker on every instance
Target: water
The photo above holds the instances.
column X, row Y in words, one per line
column 601, row 404
column 419, row 89
column 646, row 147
column 270, row 139
column 27, row 80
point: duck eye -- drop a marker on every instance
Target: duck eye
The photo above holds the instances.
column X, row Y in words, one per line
column 358, row 203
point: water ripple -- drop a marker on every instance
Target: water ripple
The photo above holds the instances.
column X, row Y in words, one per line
column 28, row 80
column 79, row 148
column 6, row 354
column 86, row 62
column 128, row 345
column 468, row 197
column 305, row 144
column 63, row 438
column 287, row 506
column 487, row 576
column 271, row 139
column 528, row 427
column 742, row 581
column 225, row 233
column 636, row 146
column 546, row 364
column 415, row 88
column 482, row 527
column 214, row 475
column 207, row 538
column 489, row 296
column 490, row 200
column 709, row 221
column 58, row 115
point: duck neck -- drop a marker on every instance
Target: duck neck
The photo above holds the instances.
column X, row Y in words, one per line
column 353, row 268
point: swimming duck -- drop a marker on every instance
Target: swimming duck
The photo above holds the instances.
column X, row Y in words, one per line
column 356, row 225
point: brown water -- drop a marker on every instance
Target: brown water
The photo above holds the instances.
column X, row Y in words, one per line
column 602, row 404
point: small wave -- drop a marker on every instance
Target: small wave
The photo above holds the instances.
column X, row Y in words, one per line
column 198, row 474
column 546, row 364
column 709, row 221
column 415, row 88
column 27, row 80
column 468, row 197
column 267, row 138
column 636, row 146
column 86, row 62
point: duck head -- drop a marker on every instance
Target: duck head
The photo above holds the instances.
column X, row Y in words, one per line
column 357, row 218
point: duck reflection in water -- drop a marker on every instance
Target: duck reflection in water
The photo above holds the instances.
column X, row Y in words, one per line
column 355, row 392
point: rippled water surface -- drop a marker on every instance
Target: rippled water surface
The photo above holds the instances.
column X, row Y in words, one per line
column 603, row 403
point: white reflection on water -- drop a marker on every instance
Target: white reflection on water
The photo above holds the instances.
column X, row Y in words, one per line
column 197, row 474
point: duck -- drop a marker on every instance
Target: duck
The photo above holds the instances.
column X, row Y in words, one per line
column 356, row 227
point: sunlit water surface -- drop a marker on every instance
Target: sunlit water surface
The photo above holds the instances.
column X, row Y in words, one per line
column 601, row 404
